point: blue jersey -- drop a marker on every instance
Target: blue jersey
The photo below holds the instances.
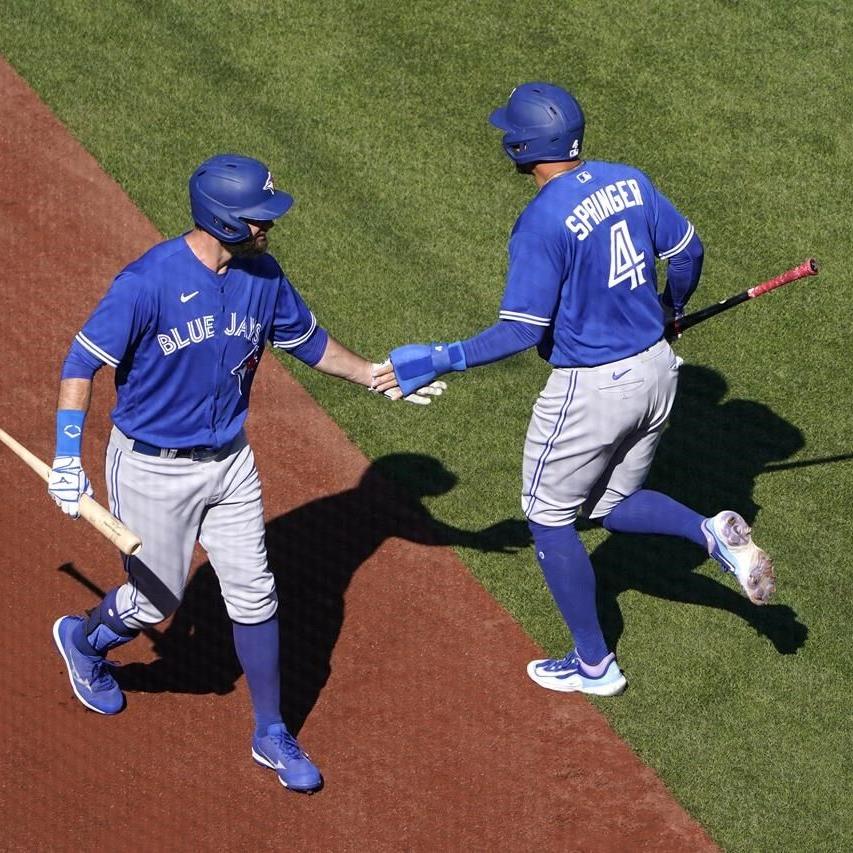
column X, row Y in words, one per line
column 582, row 263
column 185, row 342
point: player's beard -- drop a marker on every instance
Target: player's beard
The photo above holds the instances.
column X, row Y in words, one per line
column 250, row 247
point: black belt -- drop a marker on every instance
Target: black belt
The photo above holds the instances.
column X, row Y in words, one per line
column 196, row 453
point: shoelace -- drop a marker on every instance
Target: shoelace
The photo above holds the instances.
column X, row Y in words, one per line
column 286, row 742
column 101, row 677
column 570, row 661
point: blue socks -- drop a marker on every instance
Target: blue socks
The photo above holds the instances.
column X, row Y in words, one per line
column 571, row 579
column 569, row 573
column 257, row 651
column 102, row 629
column 652, row 512
column 256, row 645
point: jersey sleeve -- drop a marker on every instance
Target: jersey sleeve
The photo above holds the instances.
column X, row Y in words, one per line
column 293, row 322
column 117, row 322
column 500, row 341
column 671, row 232
column 533, row 281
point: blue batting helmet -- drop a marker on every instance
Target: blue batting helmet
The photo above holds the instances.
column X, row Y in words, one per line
column 229, row 189
column 542, row 123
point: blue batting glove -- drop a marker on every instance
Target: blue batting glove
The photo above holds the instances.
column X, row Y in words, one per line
column 416, row 365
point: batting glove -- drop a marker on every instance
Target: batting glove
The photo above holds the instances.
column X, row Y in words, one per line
column 421, row 396
column 416, row 365
column 67, row 482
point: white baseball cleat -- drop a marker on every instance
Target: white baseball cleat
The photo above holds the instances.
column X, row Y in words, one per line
column 730, row 543
column 567, row 675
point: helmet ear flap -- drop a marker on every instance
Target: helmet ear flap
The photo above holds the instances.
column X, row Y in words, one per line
column 228, row 229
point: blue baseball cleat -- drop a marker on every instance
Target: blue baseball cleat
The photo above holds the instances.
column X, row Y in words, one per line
column 567, row 676
column 91, row 679
column 730, row 544
column 279, row 751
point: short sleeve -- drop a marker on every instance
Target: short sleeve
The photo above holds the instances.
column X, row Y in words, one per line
column 293, row 322
column 671, row 232
column 534, row 278
column 117, row 322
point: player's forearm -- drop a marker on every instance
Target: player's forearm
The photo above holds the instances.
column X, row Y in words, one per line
column 417, row 365
column 500, row 341
column 683, row 273
column 338, row 361
column 75, row 394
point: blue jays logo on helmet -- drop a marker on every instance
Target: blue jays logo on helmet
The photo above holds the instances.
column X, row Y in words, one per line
column 542, row 123
column 229, row 189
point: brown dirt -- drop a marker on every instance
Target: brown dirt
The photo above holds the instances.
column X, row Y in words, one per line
column 408, row 677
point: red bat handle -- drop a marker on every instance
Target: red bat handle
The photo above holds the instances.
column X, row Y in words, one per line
column 808, row 267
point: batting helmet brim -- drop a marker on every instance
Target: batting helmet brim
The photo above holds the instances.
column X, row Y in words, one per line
column 499, row 120
column 270, row 208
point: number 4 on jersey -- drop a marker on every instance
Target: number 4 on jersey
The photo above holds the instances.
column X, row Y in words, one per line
column 626, row 263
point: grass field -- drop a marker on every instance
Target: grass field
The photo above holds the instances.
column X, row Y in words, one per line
column 374, row 116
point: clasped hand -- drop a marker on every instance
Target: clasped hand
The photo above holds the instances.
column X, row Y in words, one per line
column 67, row 483
column 385, row 382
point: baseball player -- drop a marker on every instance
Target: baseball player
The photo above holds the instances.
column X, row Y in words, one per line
column 581, row 287
column 184, row 327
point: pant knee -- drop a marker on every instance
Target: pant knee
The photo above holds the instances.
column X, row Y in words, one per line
column 251, row 605
column 137, row 611
column 537, row 511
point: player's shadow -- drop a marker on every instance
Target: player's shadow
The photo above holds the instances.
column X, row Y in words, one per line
column 708, row 458
column 314, row 551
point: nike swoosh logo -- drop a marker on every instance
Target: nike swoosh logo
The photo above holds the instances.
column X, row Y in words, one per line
column 620, row 375
column 185, row 297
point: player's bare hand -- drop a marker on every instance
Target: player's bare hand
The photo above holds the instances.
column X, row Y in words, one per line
column 383, row 377
column 385, row 382
column 67, row 482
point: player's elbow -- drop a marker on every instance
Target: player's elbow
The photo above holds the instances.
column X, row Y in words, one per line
column 697, row 256
column 696, row 249
column 687, row 264
column 693, row 252
column 79, row 364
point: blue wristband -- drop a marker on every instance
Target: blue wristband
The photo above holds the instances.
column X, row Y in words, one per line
column 69, row 432
column 447, row 357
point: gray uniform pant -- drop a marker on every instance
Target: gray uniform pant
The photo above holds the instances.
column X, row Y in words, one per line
column 593, row 435
column 171, row 504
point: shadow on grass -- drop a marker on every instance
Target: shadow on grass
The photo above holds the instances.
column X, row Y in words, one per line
column 708, row 458
column 314, row 551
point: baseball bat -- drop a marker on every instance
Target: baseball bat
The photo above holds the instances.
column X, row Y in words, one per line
column 676, row 327
column 103, row 521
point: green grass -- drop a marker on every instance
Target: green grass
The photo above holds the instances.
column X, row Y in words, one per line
column 375, row 119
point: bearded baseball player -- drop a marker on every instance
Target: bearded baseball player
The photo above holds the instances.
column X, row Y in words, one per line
column 581, row 287
column 184, row 328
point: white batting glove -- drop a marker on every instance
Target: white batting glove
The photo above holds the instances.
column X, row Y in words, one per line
column 423, row 396
column 68, row 481
column 383, row 376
